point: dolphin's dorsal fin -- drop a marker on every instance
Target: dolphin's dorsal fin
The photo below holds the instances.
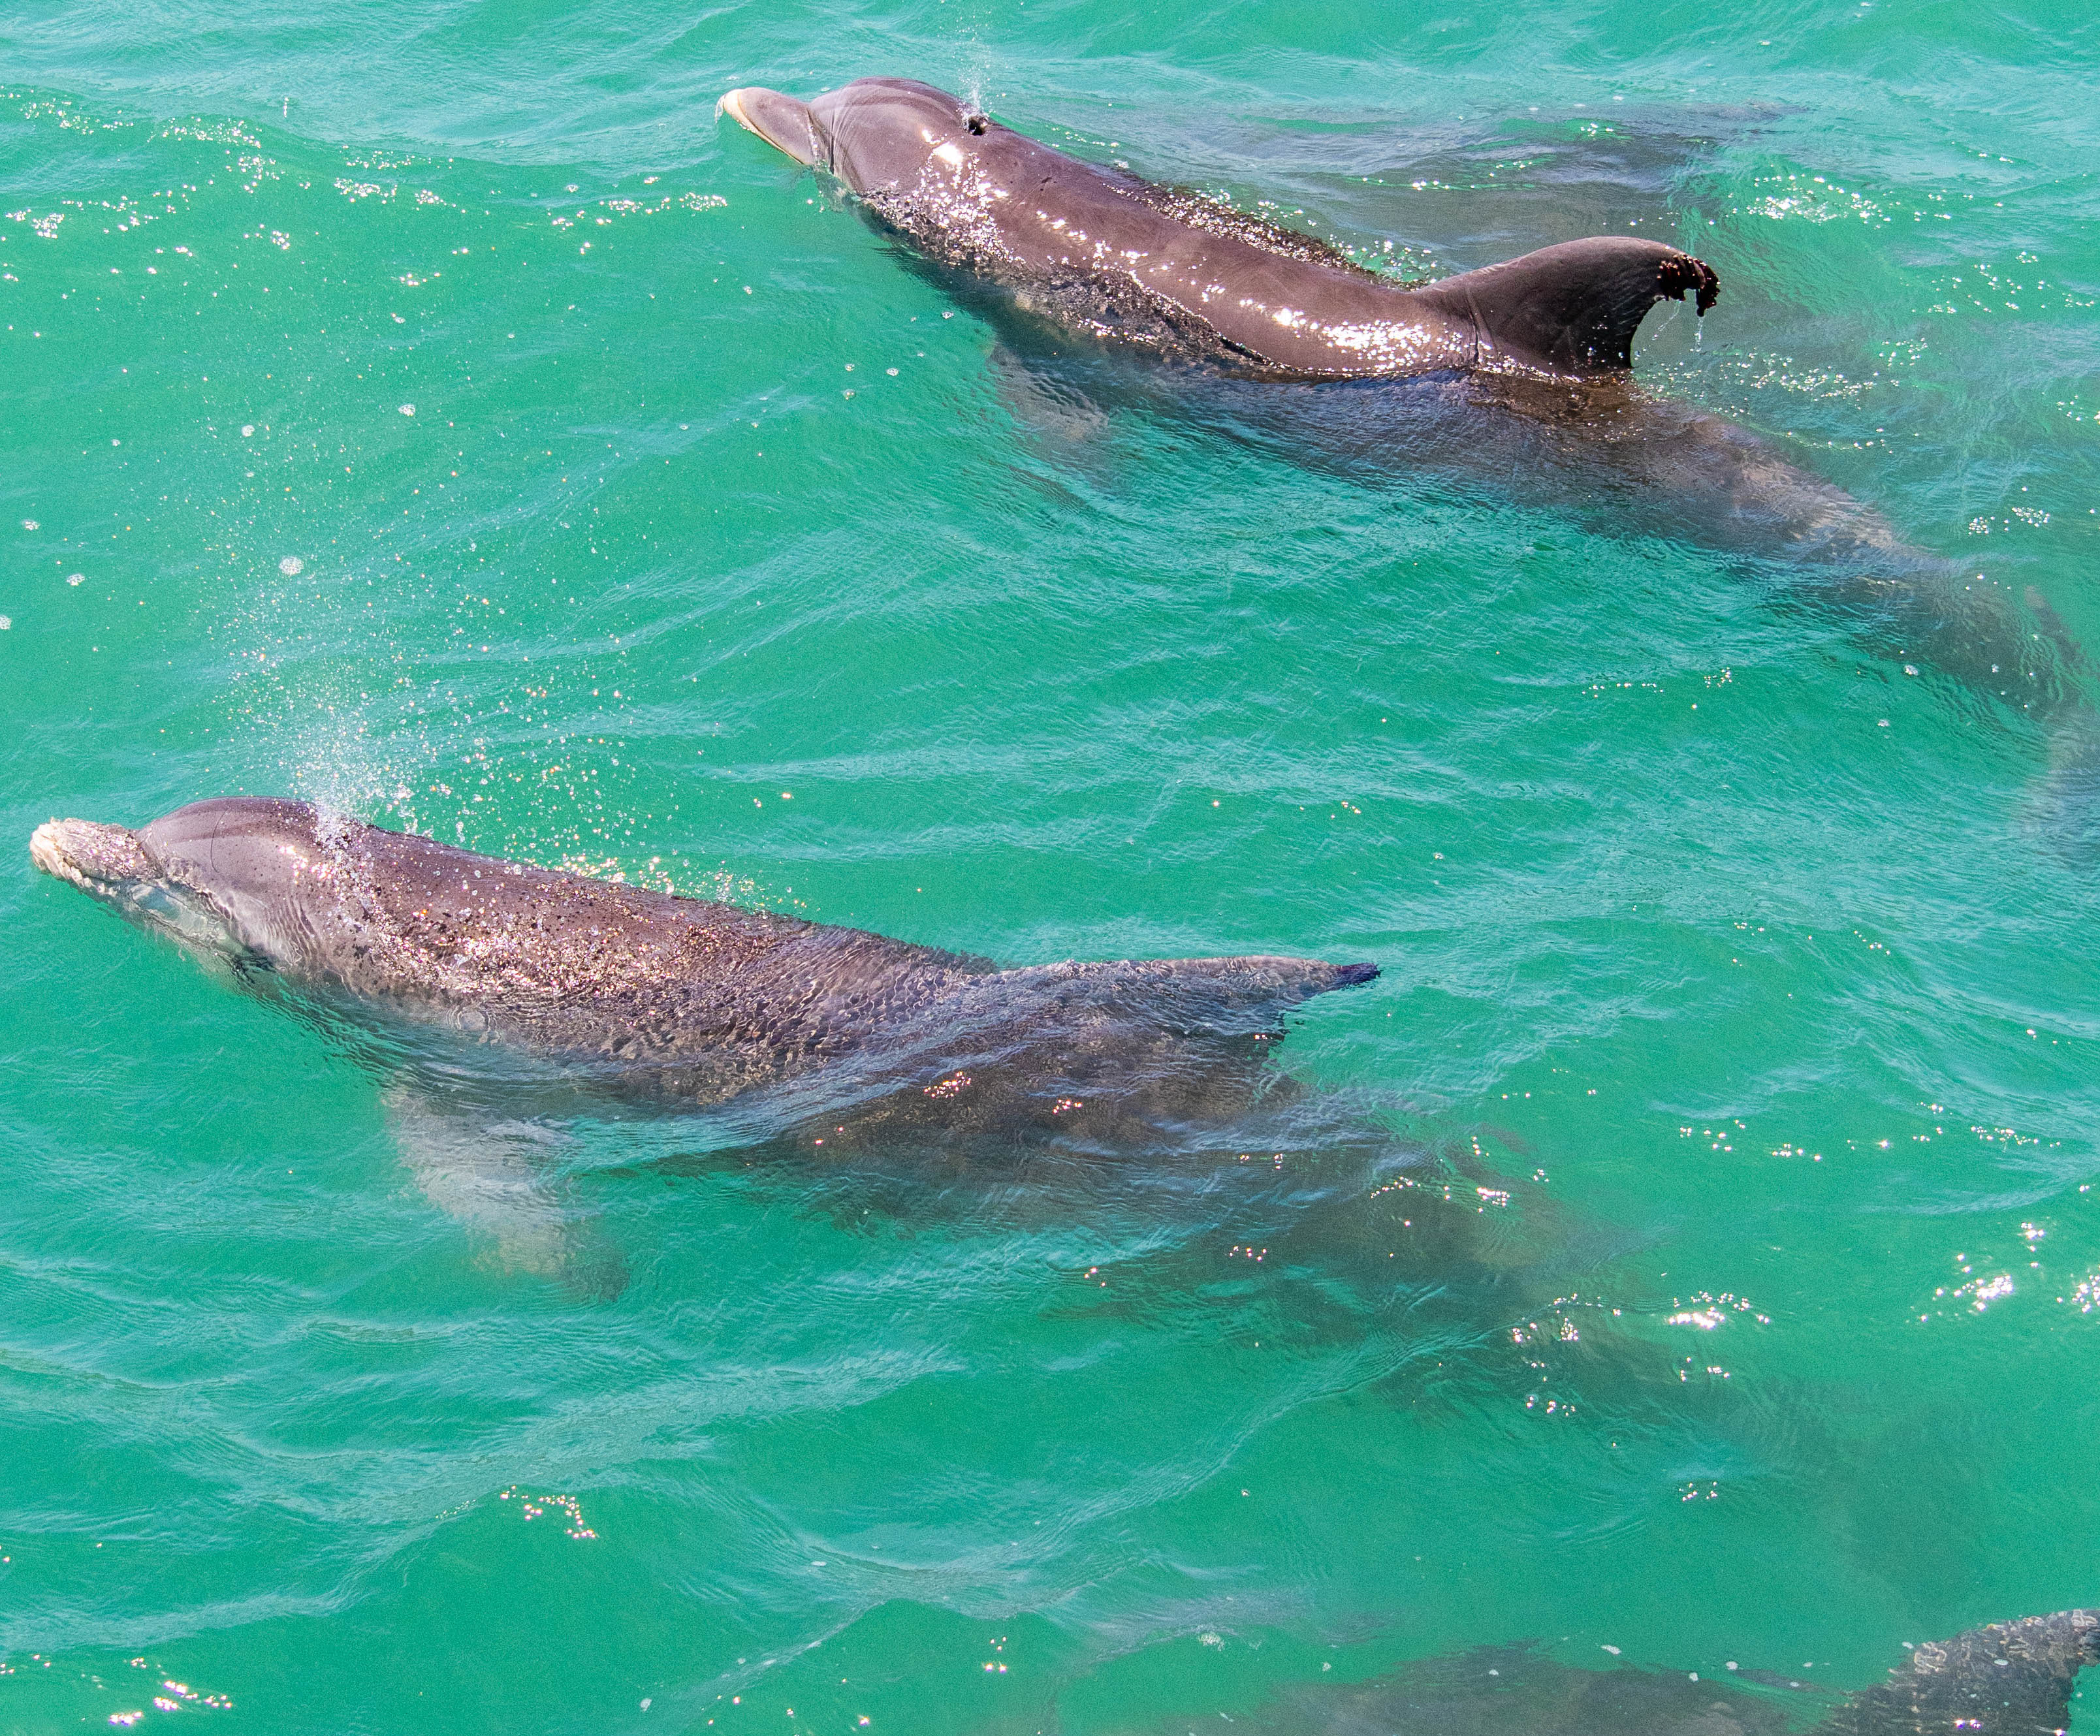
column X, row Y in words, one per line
column 1574, row 306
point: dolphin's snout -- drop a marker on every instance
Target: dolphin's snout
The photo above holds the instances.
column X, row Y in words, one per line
column 45, row 849
column 780, row 120
column 90, row 855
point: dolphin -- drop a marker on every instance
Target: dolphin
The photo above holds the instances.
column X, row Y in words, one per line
column 681, row 1000
column 1519, row 372
column 504, row 1000
column 2014, row 1678
column 1134, row 260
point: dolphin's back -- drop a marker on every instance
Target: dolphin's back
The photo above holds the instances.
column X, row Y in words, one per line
column 688, row 997
column 559, row 961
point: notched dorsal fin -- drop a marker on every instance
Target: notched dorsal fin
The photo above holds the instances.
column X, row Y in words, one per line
column 1576, row 306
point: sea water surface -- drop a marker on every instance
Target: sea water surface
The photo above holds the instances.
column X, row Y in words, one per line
column 429, row 408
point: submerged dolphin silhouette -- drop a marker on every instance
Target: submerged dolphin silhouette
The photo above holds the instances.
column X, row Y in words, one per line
column 2012, row 1678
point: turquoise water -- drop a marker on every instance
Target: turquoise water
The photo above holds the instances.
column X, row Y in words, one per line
column 431, row 410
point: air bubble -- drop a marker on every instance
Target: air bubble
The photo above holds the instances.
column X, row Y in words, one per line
column 408, row 409
column 291, row 567
column 246, row 430
column 29, row 524
column 75, row 578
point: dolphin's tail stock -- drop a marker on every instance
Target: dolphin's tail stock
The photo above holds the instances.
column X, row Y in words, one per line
column 783, row 122
column 2007, row 647
column 1577, row 305
column 2059, row 687
column 1227, row 995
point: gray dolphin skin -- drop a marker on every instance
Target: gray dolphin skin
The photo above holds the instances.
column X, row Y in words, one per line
column 1135, row 261
column 679, row 998
column 2013, row 1678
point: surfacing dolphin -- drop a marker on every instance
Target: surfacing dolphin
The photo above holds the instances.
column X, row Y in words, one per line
column 677, row 1000
column 507, row 1008
column 1519, row 372
column 2013, row 1678
column 1133, row 261
column 504, row 1001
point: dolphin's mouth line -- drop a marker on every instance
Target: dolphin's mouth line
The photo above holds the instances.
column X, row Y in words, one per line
column 133, row 881
column 65, row 850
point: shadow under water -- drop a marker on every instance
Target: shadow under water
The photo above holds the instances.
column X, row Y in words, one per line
column 1608, row 457
column 2013, row 1678
column 1602, row 453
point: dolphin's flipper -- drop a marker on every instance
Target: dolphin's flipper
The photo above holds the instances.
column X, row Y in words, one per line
column 1064, row 423
column 2010, row 1679
column 492, row 1174
column 1578, row 304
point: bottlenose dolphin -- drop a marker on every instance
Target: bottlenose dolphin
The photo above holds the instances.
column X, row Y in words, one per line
column 1133, row 261
column 1518, row 373
column 502, row 1002
column 2013, row 1678
column 680, row 1001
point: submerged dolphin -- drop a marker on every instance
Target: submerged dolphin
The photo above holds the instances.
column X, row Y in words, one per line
column 1133, row 260
column 675, row 999
column 1518, row 372
column 2013, row 1678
